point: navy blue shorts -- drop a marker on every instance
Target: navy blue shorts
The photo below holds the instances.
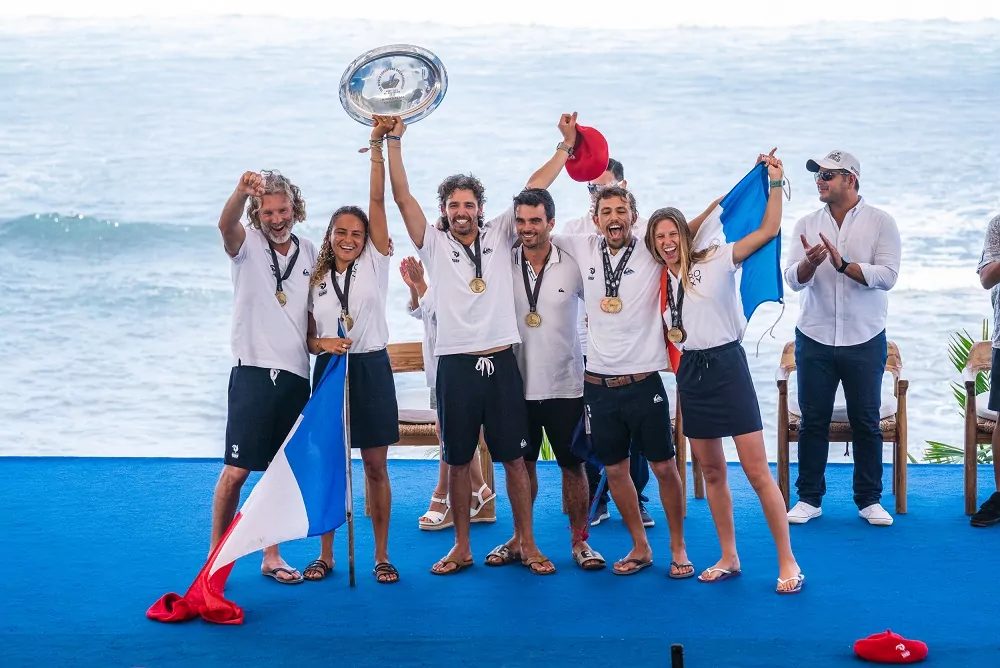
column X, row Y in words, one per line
column 481, row 392
column 559, row 418
column 637, row 411
column 994, row 403
column 263, row 407
column 717, row 394
column 374, row 414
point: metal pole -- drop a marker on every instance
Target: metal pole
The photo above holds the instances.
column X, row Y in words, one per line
column 677, row 656
column 350, row 482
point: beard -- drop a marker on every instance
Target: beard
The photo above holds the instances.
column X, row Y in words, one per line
column 279, row 237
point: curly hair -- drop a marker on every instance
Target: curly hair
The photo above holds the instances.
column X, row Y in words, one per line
column 460, row 182
column 325, row 260
column 685, row 244
column 617, row 191
column 274, row 184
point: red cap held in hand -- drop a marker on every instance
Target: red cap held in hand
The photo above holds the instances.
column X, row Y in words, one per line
column 890, row 647
column 590, row 155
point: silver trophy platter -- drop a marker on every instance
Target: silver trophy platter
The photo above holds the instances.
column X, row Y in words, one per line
column 396, row 80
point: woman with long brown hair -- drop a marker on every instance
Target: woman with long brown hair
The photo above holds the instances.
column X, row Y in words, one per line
column 717, row 395
column 348, row 292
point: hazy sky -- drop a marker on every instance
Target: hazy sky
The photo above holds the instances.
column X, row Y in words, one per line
column 609, row 13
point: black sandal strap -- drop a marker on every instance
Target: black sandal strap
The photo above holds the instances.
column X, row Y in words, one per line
column 385, row 568
column 317, row 565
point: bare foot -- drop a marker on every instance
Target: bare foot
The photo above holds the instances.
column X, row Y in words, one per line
column 638, row 558
column 725, row 568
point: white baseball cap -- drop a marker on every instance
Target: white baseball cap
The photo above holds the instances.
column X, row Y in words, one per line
column 836, row 160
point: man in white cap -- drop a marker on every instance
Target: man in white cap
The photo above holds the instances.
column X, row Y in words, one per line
column 844, row 261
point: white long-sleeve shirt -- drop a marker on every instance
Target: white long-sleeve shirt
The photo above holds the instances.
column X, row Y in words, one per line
column 425, row 312
column 834, row 309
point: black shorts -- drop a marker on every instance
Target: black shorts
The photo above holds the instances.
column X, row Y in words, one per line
column 485, row 392
column 559, row 417
column 717, row 394
column 637, row 411
column 994, row 403
column 263, row 407
column 374, row 417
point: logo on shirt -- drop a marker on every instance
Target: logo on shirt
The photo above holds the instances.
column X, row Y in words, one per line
column 629, row 272
column 305, row 272
column 322, row 289
column 561, row 290
column 235, row 451
column 454, row 256
column 657, row 399
column 487, row 251
column 592, row 272
column 524, row 444
column 694, row 276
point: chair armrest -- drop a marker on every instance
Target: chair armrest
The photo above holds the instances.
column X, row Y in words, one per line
column 901, row 386
column 781, row 376
column 969, row 378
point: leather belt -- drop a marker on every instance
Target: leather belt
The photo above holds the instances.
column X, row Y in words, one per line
column 615, row 381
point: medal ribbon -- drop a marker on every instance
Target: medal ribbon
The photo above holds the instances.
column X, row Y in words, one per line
column 533, row 294
column 343, row 295
column 672, row 352
column 477, row 257
column 676, row 308
column 612, row 279
column 278, row 277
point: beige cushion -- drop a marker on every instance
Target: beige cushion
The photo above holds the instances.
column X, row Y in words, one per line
column 417, row 416
column 982, row 407
column 887, row 409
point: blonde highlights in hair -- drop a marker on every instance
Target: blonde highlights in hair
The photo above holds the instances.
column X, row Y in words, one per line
column 276, row 184
column 685, row 243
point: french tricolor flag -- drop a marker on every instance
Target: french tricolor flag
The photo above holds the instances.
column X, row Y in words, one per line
column 738, row 214
column 303, row 493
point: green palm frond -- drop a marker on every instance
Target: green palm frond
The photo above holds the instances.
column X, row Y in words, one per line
column 546, row 454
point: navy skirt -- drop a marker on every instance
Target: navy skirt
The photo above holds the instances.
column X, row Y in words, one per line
column 374, row 411
column 717, row 396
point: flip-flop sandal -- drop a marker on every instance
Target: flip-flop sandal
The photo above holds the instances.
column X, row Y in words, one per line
column 583, row 556
column 385, row 569
column 794, row 590
column 507, row 556
column 462, row 565
column 681, row 576
column 541, row 561
column 726, row 574
column 639, row 565
column 281, row 569
column 317, row 565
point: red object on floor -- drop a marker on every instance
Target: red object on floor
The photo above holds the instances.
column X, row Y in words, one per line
column 890, row 647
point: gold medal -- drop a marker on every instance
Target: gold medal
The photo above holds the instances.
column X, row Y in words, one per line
column 348, row 322
column 676, row 335
column 611, row 304
column 280, row 295
column 478, row 285
column 532, row 319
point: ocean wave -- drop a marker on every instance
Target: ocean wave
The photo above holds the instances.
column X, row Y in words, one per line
column 55, row 229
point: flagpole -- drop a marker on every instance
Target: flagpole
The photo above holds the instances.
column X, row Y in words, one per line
column 350, row 483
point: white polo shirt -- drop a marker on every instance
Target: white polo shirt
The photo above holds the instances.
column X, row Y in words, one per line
column 365, row 300
column 549, row 356
column 424, row 312
column 630, row 341
column 265, row 333
column 711, row 313
column 585, row 225
column 469, row 322
column 836, row 310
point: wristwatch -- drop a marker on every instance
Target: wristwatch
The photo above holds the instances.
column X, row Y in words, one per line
column 844, row 264
column 563, row 146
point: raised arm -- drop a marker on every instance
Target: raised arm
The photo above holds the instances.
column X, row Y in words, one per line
column 233, row 233
column 412, row 272
column 378, row 224
column 696, row 222
column 546, row 175
column 413, row 215
column 770, row 225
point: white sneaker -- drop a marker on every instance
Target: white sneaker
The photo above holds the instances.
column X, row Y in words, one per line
column 876, row 515
column 802, row 512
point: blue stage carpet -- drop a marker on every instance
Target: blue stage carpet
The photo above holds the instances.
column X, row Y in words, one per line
column 91, row 543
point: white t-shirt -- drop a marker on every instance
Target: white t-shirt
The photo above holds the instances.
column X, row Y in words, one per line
column 469, row 322
column 265, row 333
column 549, row 356
column 365, row 300
column 424, row 312
column 711, row 312
column 585, row 225
column 630, row 341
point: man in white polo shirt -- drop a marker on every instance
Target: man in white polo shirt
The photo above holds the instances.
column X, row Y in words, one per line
column 478, row 382
column 614, row 175
column 843, row 260
column 269, row 381
column 547, row 287
column 624, row 395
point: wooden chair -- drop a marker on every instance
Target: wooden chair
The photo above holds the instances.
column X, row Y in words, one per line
column 977, row 429
column 418, row 426
column 893, row 427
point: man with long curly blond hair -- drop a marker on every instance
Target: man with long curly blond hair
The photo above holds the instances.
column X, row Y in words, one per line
column 269, row 381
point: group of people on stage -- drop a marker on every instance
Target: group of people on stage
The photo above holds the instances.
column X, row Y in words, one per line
column 530, row 332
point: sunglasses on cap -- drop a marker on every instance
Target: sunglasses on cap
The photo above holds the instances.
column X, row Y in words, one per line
column 828, row 174
column 594, row 188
